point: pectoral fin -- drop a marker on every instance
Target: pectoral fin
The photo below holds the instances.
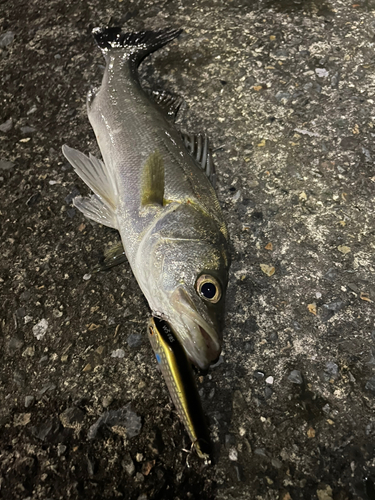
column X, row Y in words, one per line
column 102, row 206
column 152, row 191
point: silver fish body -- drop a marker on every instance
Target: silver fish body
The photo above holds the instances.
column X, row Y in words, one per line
column 152, row 189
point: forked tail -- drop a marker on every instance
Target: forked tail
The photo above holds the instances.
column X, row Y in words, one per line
column 135, row 46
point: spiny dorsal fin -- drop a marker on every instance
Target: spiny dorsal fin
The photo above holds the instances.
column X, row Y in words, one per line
column 167, row 101
column 198, row 147
column 152, row 182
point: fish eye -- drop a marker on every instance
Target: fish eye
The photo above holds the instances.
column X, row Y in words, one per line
column 208, row 288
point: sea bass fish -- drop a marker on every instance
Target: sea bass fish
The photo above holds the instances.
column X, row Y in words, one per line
column 154, row 186
column 178, row 376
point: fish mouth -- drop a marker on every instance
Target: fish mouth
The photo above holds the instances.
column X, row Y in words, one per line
column 198, row 337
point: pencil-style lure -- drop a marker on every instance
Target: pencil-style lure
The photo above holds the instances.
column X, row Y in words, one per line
column 178, row 376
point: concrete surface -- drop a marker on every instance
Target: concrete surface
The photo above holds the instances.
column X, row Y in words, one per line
column 285, row 90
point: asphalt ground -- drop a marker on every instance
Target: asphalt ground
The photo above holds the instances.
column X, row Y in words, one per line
column 285, row 91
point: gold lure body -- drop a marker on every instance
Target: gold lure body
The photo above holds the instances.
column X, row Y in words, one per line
column 178, row 376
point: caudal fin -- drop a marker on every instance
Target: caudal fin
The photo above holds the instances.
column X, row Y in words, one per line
column 136, row 45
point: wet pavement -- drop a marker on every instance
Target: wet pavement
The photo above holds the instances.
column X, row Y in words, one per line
column 285, row 91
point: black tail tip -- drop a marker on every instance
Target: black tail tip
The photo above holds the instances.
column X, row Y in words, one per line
column 108, row 38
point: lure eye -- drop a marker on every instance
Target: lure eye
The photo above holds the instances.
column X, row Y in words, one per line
column 208, row 288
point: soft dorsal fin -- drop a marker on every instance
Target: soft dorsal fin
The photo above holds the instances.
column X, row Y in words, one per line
column 199, row 148
column 152, row 182
column 102, row 206
column 167, row 101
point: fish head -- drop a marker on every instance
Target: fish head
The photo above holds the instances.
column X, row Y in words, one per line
column 190, row 295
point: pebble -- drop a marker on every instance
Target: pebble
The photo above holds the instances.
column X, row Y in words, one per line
column 268, row 391
column 29, row 351
column 61, row 449
column 295, row 377
column 124, row 417
column 328, row 310
column 6, row 165
column 370, row 385
column 6, row 39
column 269, row 380
column 15, row 343
column 71, row 213
column 40, row 329
column 6, row 126
column 128, row 464
column 331, row 370
column 321, row 72
column 230, row 440
column 33, row 200
column 233, row 455
column 273, row 337
column 282, row 95
column 27, row 130
column 86, row 277
column 49, row 386
column 134, row 340
column 41, row 431
column 331, row 274
column 21, row 419
column 90, row 467
column 238, row 473
column 118, row 353
column 260, row 452
column 19, row 378
column 334, row 306
column 107, row 400
column 29, row 400
column 236, row 197
column 276, row 463
column 326, row 408
column 32, row 110
column 259, row 375
column 75, row 192
column 324, row 494
column 147, row 467
column 72, row 418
